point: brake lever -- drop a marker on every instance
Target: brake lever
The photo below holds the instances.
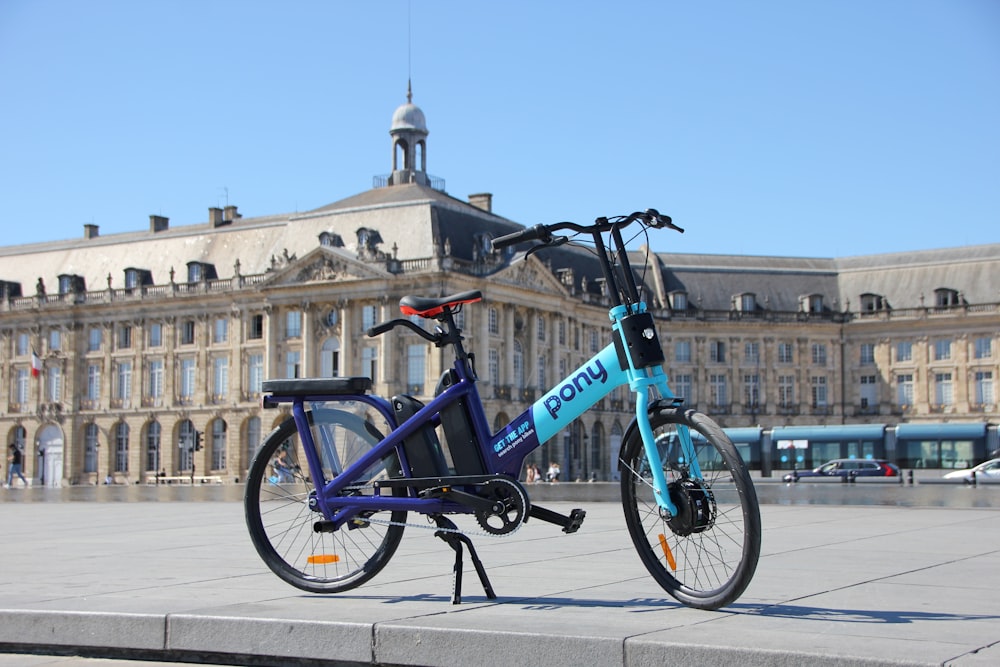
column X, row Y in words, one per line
column 553, row 242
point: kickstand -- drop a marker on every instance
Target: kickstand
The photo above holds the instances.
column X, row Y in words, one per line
column 455, row 540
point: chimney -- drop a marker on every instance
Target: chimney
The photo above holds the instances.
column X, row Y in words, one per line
column 158, row 223
column 90, row 231
column 483, row 200
column 229, row 214
column 215, row 217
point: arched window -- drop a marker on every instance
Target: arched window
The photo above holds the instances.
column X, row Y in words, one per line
column 153, row 431
column 252, row 439
column 219, row 444
column 90, row 445
column 597, row 457
column 121, row 447
column 185, row 445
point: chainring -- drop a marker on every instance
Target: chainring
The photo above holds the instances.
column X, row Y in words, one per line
column 510, row 506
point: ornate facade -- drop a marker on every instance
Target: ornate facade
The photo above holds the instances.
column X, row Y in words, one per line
column 147, row 341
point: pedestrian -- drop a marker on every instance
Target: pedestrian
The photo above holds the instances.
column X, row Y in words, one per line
column 554, row 472
column 14, row 465
column 539, row 477
column 529, row 476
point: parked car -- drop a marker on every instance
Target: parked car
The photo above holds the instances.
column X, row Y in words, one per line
column 847, row 468
column 989, row 469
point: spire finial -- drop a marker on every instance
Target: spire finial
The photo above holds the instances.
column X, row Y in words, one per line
column 409, row 92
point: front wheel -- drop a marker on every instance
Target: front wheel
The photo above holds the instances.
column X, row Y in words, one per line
column 706, row 554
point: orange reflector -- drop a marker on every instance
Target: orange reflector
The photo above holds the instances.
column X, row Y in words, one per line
column 667, row 552
column 323, row 559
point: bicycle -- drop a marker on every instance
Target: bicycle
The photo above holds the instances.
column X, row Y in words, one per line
column 361, row 463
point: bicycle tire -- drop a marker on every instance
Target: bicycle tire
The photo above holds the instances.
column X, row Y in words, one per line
column 706, row 556
column 280, row 520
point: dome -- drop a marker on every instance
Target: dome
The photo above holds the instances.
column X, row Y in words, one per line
column 408, row 117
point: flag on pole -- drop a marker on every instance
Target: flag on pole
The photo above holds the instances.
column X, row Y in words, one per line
column 36, row 364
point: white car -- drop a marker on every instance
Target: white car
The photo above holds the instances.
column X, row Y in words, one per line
column 990, row 469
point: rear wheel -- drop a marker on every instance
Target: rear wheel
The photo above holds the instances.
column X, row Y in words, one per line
column 281, row 517
column 706, row 554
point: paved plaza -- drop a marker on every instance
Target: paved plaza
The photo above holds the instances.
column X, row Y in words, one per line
column 170, row 575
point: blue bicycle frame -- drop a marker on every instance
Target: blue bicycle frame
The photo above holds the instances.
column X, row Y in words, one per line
column 504, row 452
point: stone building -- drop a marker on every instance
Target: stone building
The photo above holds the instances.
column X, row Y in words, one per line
column 118, row 351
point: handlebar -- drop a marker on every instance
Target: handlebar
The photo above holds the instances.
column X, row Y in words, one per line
column 650, row 217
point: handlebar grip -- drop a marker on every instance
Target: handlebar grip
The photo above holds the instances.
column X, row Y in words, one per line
column 380, row 329
column 536, row 233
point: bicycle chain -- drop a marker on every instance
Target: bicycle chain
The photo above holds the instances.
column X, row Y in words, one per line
column 476, row 533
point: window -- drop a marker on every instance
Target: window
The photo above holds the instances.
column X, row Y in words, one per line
column 93, row 383
column 819, row 392
column 55, row 340
column 595, row 341
column 540, row 327
column 819, row 354
column 871, row 303
column 219, row 444
column 293, row 363
column 187, row 332
column 717, row 387
column 293, row 324
column 153, row 433
column 255, row 373
column 416, row 356
column 542, row 376
column 751, row 353
column 329, row 358
column 751, row 390
column 984, row 387
column 942, row 389
column 220, row 330
column 121, row 447
column 867, row 354
column 94, row 336
column 944, row 297
column 155, row 388
column 717, row 351
column 185, row 444
column 156, row 335
column 786, row 353
column 90, row 448
column 518, row 365
column 195, row 272
column 746, row 303
column 124, row 337
column 367, row 317
column 253, row 437
column 187, row 379
column 123, row 382
column 562, row 331
column 256, row 328
column 904, row 351
column 983, row 348
column 369, row 362
column 53, row 384
column 682, row 351
column 220, row 377
column 942, row 349
column 22, row 344
column 22, row 386
column 869, row 391
column 904, row 389
column 786, row 391
column 678, row 301
column 812, row 303
column 494, row 367
column 683, row 386
column 494, row 323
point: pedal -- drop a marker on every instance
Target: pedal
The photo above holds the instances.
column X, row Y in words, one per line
column 569, row 524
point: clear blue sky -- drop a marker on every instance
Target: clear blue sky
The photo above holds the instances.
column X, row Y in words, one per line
column 808, row 128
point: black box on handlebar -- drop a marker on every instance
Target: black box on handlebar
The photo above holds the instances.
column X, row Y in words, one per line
column 638, row 334
column 423, row 450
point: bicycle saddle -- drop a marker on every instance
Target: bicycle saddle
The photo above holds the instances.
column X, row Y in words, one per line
column 432, row 307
